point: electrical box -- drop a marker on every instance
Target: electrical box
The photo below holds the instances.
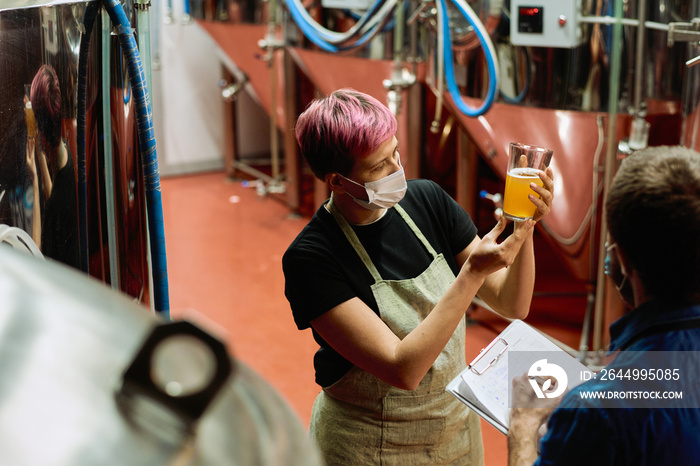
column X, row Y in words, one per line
column 545, row 23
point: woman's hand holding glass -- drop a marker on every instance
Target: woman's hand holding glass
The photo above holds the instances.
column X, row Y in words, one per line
column 546, row 194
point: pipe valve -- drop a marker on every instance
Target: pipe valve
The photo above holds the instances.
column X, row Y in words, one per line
column 685, row 32
column 230, row 91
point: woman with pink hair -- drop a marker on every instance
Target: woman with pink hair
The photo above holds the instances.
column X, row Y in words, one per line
column 383, row 275
column 59, row 222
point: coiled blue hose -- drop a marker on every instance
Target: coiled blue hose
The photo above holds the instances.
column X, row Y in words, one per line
column 449, row 59
column 323, row 40
column 357, row 17
column 147, row 148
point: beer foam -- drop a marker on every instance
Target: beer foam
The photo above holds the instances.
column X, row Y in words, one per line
column 524, row 172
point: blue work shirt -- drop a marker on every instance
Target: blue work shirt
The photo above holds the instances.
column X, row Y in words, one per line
column 581, row 432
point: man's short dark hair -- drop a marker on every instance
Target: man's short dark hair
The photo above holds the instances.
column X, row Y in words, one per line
column 653, row 214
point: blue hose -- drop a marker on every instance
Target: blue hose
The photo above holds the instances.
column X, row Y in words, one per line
column 296, row 10
column 322, row 40
column 389, row 26
column 449, row 65
column 88, row 23
column 149, row 159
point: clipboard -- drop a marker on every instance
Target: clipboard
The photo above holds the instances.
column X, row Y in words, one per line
column 484, row 386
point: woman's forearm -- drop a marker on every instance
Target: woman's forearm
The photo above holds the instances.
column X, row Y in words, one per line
column 417, row 352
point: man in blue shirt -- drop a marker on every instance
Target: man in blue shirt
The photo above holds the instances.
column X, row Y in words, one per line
column 642, row 409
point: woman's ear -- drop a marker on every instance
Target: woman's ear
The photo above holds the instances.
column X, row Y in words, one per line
column 335, row 183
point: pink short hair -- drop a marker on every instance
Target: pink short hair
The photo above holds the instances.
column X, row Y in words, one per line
column 46, row 103
column 334, row 131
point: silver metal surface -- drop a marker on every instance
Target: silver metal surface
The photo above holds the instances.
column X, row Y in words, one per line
column 7, row 5
column 66, row 340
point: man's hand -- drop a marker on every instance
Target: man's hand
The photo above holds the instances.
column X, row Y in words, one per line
column 526, row 404
column 527, row 415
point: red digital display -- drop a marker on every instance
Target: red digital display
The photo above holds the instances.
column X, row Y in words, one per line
column 529, row 11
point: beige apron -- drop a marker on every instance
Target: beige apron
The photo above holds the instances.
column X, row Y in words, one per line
column 363, row 420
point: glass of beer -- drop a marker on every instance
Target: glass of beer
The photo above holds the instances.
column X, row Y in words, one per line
column 525, row 161
column 29, row 112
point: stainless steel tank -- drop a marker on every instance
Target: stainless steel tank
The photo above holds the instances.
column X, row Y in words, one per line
column 71, row 392
column 38, row 188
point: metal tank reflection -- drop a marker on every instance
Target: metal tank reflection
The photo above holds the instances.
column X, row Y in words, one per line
column 40, row 43
column 38, row 49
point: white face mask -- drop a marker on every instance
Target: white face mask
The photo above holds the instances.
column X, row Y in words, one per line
column 384, row 193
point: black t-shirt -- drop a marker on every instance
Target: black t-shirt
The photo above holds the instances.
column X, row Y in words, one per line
column 59, row 229
column 322, row 270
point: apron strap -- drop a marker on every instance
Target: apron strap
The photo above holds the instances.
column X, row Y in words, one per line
column 354, row 240
column 409, row 221
column 357, row 245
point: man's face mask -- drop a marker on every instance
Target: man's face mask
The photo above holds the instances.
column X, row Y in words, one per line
column 618, row 275
column 384, row 193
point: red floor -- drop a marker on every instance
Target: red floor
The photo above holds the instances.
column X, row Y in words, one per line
column 225, row 246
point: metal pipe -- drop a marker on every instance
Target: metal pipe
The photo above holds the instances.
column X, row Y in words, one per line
column 395, row 84
column 245, row 168
column 274, row 135
column 414, row 106
column 398, row 37
column 143, row 23
column 609, row 20
column 143, row 29
column 110, row 198
column 168, row 17
column 639, row 64
column 615, row 65
column 440, row 71
column 593, row 211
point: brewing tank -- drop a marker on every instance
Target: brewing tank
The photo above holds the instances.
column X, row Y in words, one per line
column 73, row 390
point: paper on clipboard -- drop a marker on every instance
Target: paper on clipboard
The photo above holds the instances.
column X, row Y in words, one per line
column 485, row 384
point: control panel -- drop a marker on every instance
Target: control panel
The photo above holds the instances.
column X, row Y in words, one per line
column 545, row 23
